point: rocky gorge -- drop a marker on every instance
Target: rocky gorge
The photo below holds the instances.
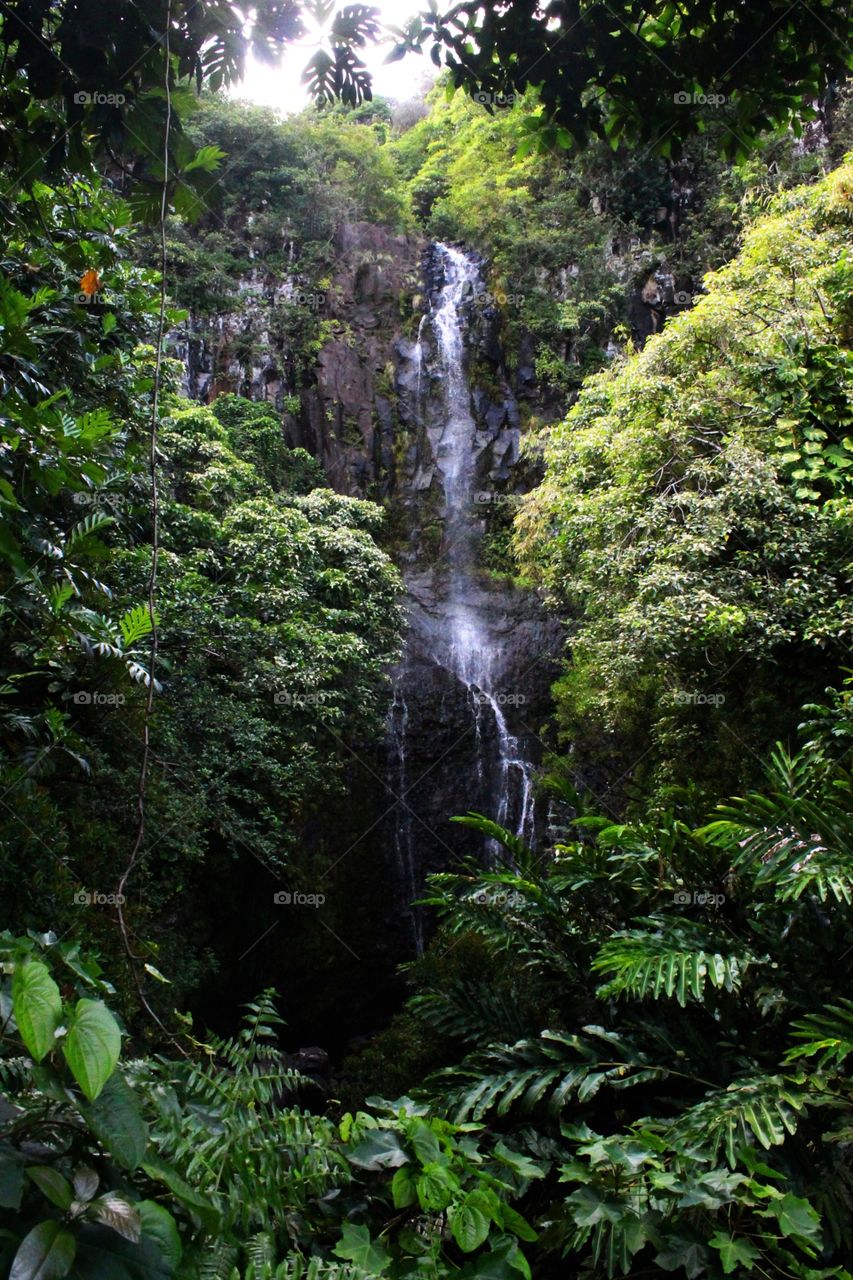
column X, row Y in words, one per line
column 465, row 725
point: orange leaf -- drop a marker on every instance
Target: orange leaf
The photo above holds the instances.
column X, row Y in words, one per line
column 90, row 283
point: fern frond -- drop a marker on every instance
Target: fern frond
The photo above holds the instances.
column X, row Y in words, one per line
column 791, row 845
column 296, row 1267
column 667, row 963
column 764, row 1108
column 136, row 623
column 509, row 913
column 87, row 528
column 548, row 1072
column 470, row 1011
column 828, row 1035
column 218, row 1263
column 229, row 1126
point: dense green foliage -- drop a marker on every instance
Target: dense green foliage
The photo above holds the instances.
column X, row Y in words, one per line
column 80, row 80
column 645, row 72
column 213, row 1168
column 663, row 1026
column 626, row 1053
column 272, row 212
column 696, row 510
column 567, row 242
column 298, row 629
column 649, row 1068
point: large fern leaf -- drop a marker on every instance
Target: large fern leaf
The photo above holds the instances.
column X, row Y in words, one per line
column 668, row 963
column 792, row 844
column 827, row 1036
column 548, row 1072
column 760, row 1107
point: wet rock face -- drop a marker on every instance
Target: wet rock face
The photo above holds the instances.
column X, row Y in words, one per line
column 375, row 412
column 452, row 752
column 345, row 416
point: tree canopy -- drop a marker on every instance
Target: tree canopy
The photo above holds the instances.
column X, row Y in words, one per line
column 648, row 72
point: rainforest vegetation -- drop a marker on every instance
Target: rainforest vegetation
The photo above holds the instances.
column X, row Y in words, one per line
column 625, row 1046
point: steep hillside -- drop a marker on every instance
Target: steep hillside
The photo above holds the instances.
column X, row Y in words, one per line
column 695, row 513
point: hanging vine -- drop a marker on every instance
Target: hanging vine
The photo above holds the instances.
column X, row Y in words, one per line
column 153, row 440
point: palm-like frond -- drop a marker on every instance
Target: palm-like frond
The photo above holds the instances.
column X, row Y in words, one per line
column 514, row 914
column 218, row 1262
column 471, row 1011
column 761, row 1107
column 827, row 1036
column 670, row 958
column 790, row 844
column 521, row 856
column 548, row 1071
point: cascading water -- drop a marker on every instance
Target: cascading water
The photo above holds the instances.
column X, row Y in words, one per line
column 470, row 653
column 403, row 841
column 458, row 636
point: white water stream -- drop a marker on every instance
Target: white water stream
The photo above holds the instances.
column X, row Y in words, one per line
column 460, row 638
column 471, row 653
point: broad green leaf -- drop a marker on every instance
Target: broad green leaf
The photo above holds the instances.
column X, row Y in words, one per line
column 380, row 1149
column 52, row 1184
column 469, row 1225
column 503, row 1262
column 92, row 1046
column 796, row 1217
column 734, row 1253
column 404, row 1188
column 160, row 1232
column 357, row 1247
column 589, row 1207
column 116, row 1120
column 37, row 1006
column 514, row 1222
column 46, row 1253
column 687, row 1254
column 425, row 1142
column 520, row 1164
column 115, row 1211
column 437, row 1187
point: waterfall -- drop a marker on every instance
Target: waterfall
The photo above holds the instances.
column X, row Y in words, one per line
column 450, row 698
column 419, row 359
column 470, row 652
column 403, row 835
